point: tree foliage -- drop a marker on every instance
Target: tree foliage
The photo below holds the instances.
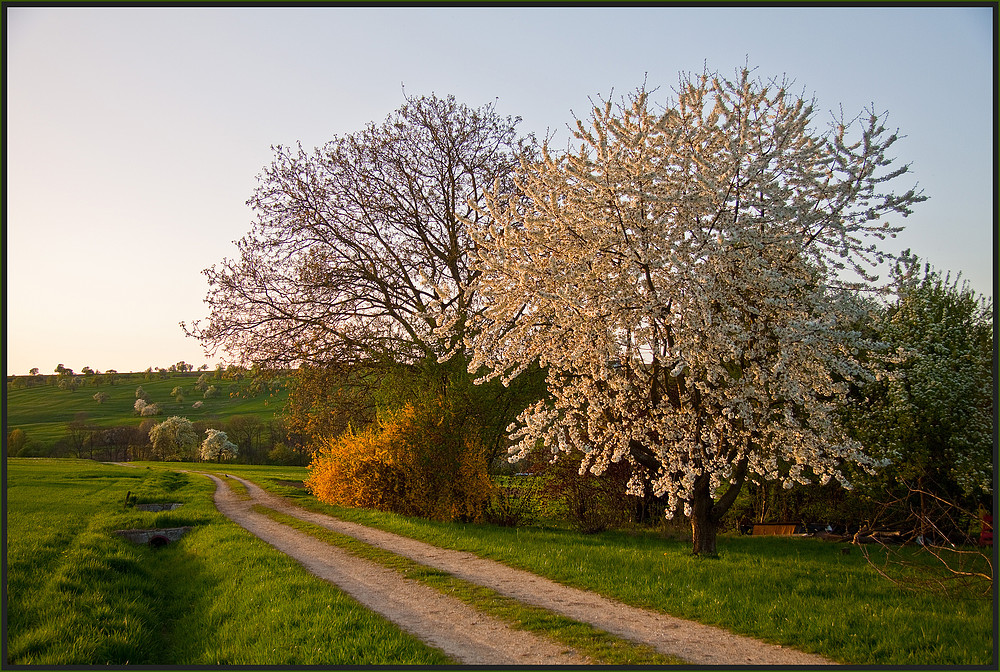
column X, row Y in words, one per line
column 673, row 275
column 173, row 439
column 932, row 417
column 323, row 401
column 217, row 446
column 16, row 441
column 418, row 461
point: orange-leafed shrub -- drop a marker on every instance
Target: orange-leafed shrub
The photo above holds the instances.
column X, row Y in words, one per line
column 417, row 461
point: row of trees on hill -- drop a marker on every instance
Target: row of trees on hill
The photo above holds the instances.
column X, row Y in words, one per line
column 256, row 441
column 689, row 290
column 68, row 379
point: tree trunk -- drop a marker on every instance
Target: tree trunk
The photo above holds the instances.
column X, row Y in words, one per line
column 706, row 513
column 703, row 531
column 703, row 523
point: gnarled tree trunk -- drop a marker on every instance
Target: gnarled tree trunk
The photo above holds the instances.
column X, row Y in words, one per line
column 706, row 513
column 704, row 524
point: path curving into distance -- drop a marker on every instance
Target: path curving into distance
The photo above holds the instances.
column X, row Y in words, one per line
column 469, row 637
column 422, row 607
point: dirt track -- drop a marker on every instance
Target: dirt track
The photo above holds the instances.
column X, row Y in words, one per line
column 472, row 638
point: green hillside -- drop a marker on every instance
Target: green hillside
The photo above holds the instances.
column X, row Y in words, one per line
column 43, row 412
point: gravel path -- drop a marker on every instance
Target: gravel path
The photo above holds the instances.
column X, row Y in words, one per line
column 696, row 643
column 466, row 635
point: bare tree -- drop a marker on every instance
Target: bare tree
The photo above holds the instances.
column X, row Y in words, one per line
column 928, row 543
column 246, row 431
column 118, row 439
column 81, row 434
column 355, row 241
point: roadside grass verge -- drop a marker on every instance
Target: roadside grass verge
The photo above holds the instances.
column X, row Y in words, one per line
column 80, row 595
column 598, row 645
column 799, row 592
column 73, row 593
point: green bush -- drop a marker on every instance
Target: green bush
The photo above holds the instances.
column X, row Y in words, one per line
column 515, row 500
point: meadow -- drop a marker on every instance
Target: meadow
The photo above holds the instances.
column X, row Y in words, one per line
column 78, row 594
column 801, row 592
column 43, row 412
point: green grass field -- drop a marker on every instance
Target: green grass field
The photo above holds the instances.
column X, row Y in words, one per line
column 43, row 412
column 80, row 595
column 797, row 592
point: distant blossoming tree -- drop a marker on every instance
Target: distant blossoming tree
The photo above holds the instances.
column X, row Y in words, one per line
column 217, row 446
column 674, row 277
column 149, row 410
column 139, row 405
column 173, row 439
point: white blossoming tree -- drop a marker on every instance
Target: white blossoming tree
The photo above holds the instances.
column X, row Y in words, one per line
column 217, row 446
column 173, row 439
column 149, row 409
column 933, row 416
column 673, row 276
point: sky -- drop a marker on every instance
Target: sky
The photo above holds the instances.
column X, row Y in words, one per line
column 134, row 136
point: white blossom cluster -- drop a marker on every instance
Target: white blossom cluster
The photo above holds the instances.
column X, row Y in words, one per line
column 173, row 439
column 145, row 409
column 217, row 446
column 676, row 277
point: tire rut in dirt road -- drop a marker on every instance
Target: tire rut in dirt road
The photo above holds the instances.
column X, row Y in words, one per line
column 696, row 643
column 469, row 637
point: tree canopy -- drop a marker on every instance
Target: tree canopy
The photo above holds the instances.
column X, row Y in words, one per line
column 673, row 275
column 932, row 416
column 173, row 439
column 354, row 241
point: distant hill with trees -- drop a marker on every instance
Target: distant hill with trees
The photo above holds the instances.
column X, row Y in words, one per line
column 108, row 415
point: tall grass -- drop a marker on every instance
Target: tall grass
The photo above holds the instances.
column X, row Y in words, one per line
column 800, row 592
column 80, row 595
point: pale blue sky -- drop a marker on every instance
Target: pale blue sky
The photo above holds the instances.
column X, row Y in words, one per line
column 135, row 135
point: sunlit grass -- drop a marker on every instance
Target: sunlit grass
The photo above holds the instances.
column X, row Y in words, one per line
column 796, row 592
column 80, row 595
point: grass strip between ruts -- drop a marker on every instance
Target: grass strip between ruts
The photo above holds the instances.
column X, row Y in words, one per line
column 236, row 488
column 598, row 645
